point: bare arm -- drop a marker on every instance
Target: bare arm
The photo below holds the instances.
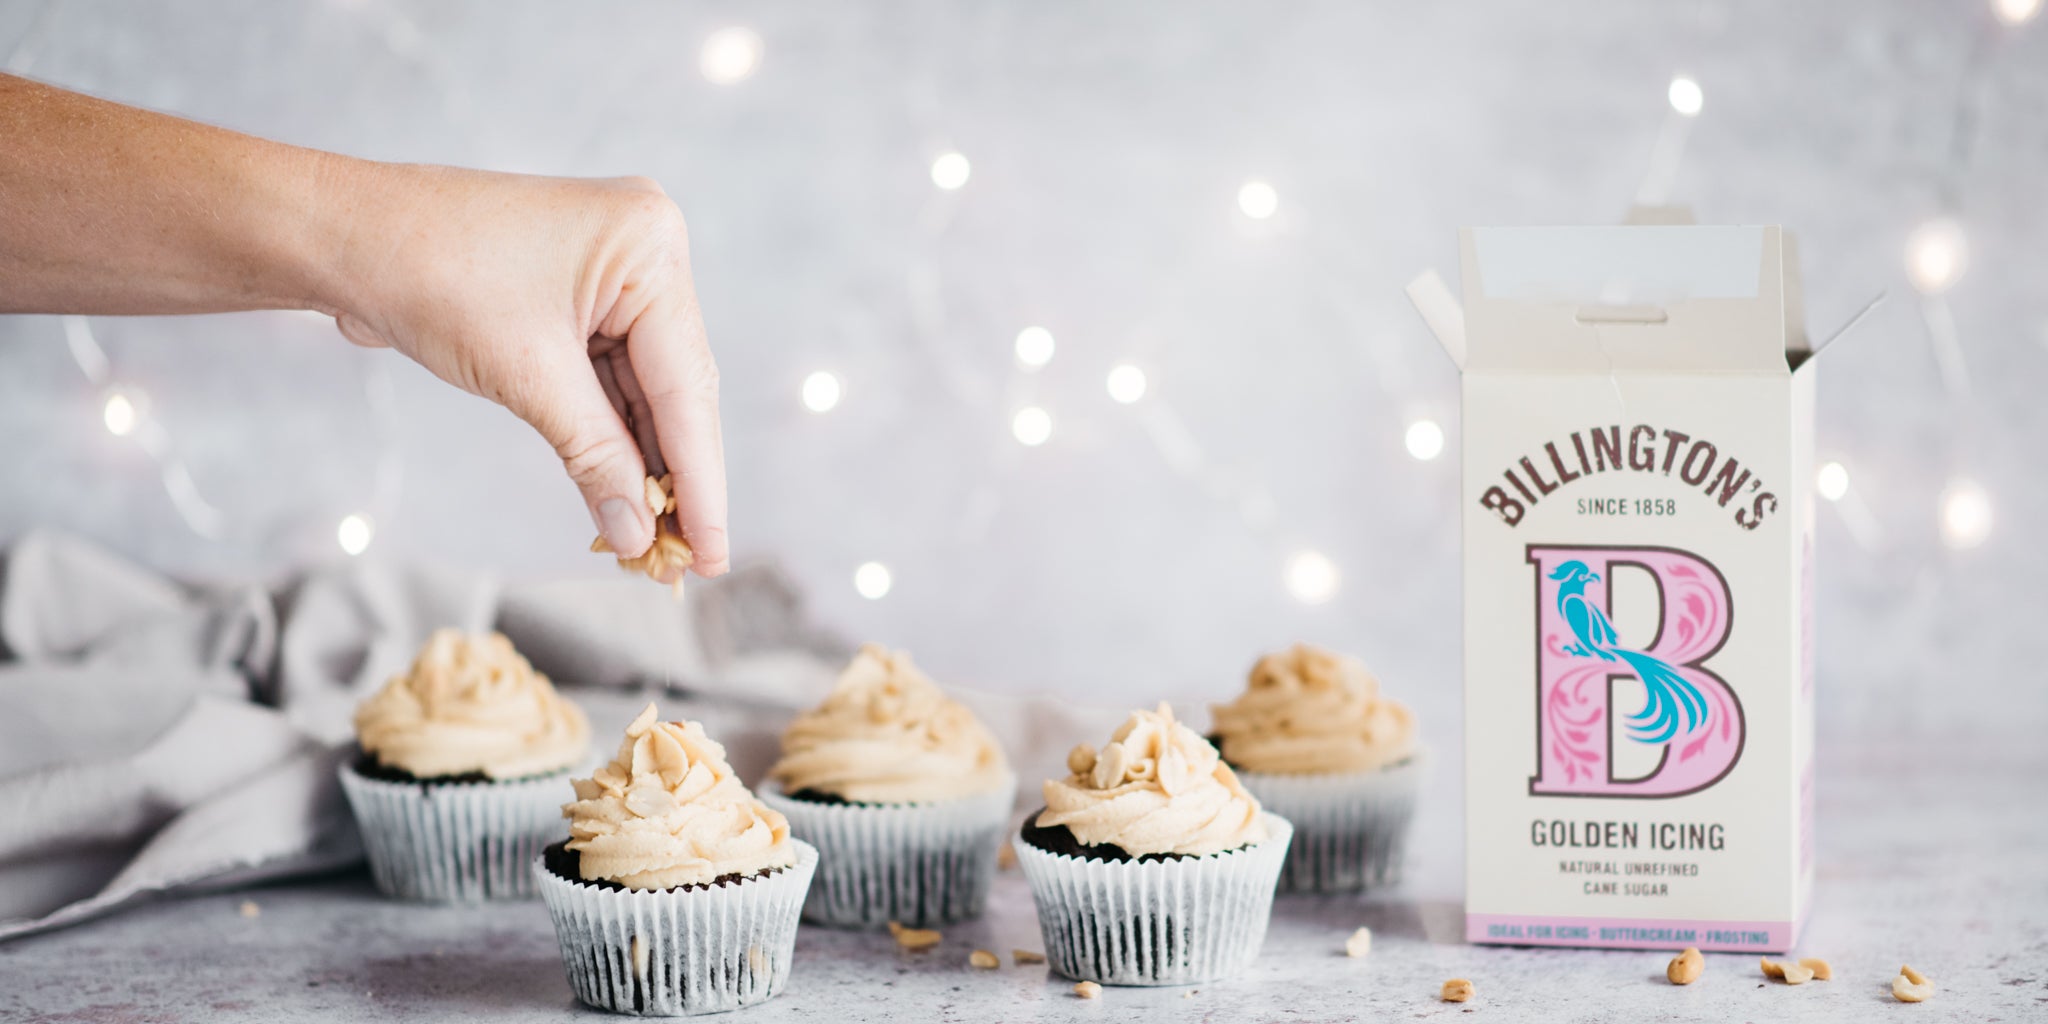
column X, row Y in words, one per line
column 568, row 301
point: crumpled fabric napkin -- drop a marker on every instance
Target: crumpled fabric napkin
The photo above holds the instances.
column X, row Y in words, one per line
column 157, row 736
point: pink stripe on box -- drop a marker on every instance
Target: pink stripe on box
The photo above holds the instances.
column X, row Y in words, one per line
column 1630, row 933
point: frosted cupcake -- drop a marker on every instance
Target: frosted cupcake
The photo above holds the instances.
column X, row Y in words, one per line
column 1314, row 740
column 904, row 792
column 1150, row 864
column 464, row 764
column 677, row 891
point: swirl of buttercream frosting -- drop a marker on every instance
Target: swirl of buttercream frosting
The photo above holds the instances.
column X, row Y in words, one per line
column 668, row 811
column 470, row 703
column 1156, row 787
column 887, row 734
column 1307, row 711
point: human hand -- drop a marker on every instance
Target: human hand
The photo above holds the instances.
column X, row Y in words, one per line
column 570, row 303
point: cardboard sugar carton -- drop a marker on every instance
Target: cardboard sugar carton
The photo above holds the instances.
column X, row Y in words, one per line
column 1638, row 585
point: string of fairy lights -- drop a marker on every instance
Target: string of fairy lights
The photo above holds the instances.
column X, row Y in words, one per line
column 1936, row 257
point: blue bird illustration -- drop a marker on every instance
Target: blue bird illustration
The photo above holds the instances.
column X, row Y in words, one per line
column 1675, row 705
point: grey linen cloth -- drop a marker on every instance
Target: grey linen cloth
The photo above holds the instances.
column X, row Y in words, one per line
column 157, row 736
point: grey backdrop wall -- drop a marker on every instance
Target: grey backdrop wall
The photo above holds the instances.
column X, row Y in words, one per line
column 1143, row 549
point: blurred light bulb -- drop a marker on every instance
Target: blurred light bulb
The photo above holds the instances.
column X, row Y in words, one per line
column 1686, row 97
column 120, row 414
column 1311, row 577
column 821, row 392
column 1126, row 383
column 1032, row 425
column 730, row 55
column 354, row 534
column 2015, row 12
column 1257, row 199
column 1425, row 440
column 950, row 171
column 1832, row 481
column 1965, row 515
column 872, row 580
column 1034, row 346
column 1936, row 256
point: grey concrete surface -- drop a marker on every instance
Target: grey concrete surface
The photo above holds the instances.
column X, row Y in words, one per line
column 1930, row 854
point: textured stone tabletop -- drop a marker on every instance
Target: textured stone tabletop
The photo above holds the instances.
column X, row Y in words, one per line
column 1934, row 852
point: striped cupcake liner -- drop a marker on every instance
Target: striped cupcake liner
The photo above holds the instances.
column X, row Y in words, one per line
column 1350, row 831
column 1159, row 922
column 457, row 842
column 678, row 952
column 918, row 864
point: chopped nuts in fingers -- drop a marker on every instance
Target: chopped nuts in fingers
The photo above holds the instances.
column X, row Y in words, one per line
column 1686, row 967
column 1087, row 990
column 1456, row 990
column 1359, row 944
column 1910, row 986
column 983, row 959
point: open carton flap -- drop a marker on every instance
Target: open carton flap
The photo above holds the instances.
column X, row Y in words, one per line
column 1653, row 298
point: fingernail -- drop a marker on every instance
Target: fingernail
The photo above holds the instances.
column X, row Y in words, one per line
column 620, row 524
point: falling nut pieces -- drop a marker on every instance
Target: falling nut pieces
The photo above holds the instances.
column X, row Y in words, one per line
column 1910, row 986
column 1359, row 944
column 983, row 959
column 1456, row 990
column 1686, row 967
column 914, row 938
column 1087, row 990
column 669, row 551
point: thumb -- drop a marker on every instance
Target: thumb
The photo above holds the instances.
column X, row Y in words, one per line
column 572, row 413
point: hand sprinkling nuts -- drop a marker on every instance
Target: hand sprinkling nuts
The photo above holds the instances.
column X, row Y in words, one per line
column 669, row 552
column 1087, row 990
column 1456, row 990
column 1910, row 986
column 1359, row 944
column 1686, row 967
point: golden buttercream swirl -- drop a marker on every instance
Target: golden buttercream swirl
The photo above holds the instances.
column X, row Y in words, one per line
column 1155, row 787
column 669, row 811
column 1307, row 711
column 887, row 734
column 470, row 703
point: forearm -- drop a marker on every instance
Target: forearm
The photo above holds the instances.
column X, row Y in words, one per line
column 106, row 209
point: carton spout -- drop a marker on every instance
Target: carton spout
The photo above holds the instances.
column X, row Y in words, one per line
column 1440, row 310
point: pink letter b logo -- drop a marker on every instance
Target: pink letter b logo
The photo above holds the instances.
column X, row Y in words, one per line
column 1688, row 712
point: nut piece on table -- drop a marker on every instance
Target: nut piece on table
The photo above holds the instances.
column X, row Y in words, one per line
column 914, row 938
column 1821, row 970
column 669, row 550
column 1025, row 956
column 1686, row 967
column 1087, row 990
column 1786, row 971
column 1910, row 986
column 1359, row 944
column 1456, row 990
column 983, row 959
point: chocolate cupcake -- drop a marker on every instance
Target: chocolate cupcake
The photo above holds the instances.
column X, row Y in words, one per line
column 1312, row 738
column 677, row 892
column 463, row 766
column 903, row 791
column 1150, row 864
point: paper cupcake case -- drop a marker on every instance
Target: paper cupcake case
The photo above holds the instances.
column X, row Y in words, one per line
column 458, row 841
column 1350, row 831
column 918, row 864
column 1161, row 922
column 678, row 952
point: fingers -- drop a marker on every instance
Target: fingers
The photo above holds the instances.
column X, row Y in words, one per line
column 679, row 381
column 599, row 452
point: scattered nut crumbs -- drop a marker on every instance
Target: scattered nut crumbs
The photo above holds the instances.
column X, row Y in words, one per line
column 1359, row 944
column 1788, row 972
column 1087, row 990
column 1821, row 970
column 1025, row 956
column 669, row 550
column 914, row 938
column 1910, row 986
column 1456, row 990
column 1686, row 967
column 984, row 959
column 250, row 909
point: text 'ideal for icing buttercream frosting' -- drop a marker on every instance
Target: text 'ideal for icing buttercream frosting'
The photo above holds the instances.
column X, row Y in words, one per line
column 668, row 811
column 470, row 703
column 1307, row 711
column 1156, row 787
column 888, row 734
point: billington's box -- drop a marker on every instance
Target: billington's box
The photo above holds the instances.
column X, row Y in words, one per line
column 1638, row 524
